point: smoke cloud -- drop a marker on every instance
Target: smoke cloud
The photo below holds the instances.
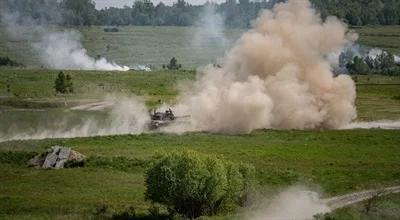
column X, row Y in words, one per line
column 340, row 59
column 276, row 76
column 56, row 49
column 63, row 50
column 124, row 116
column 210, row 29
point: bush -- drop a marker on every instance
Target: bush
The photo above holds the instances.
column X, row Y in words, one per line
column 63, row 83
column 173, row 64
column 6, row 61
column 194, row 184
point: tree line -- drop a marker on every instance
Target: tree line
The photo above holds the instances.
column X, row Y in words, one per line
column 237, row 13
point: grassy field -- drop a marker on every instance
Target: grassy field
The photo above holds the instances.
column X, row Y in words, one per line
column 131, row 46
column 157, row 45
column 377, row 96
column 385, row 37
column 333, row 162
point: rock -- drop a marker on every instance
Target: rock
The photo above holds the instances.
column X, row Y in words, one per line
column 37, row 160
column 58, row 157
column 51, row 160
column 76, row 159
column 63, row 157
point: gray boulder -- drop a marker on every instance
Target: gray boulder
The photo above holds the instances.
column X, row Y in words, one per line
column 57, row 157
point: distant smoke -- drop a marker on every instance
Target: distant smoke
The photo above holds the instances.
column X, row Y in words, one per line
column 209, row 31
column 63, row 50
column 210, row 28
column 294, row 203
column 59, row 50
column 339, row 59
column 396, row 58
column 125, row 116
column 276, row 76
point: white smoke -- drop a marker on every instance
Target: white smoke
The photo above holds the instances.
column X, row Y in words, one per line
column 63, row 50
column 339, row 59
column 59, row 50
column 293, row 203
column 210, row 28
column 126, row 116
column 396, row 58
column 276, row 76
column 209, row 32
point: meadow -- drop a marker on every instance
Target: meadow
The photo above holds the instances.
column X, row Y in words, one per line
column 155, row 46
column 330, row 161
column 377, row 96
column 385, row 37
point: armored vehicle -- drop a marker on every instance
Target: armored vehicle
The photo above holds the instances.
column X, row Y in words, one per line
column 160, row 119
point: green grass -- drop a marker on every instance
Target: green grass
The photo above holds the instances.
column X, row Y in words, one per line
column 337, row 161
column 385, row 37
column 39, row 84
column 386, row 207
column 377, row 96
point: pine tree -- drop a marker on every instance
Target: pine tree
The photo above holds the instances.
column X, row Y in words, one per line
column 63, row 83
column 59, row 83
column 68, row 84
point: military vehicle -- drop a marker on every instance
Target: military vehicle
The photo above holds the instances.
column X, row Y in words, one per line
column 161, row 119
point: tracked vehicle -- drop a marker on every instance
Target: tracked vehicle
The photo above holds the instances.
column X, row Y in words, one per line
column 162, row 119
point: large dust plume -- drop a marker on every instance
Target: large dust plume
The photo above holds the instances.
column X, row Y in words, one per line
column 276, row 76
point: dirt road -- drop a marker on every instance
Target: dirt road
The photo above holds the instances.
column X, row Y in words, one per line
column 349, row 199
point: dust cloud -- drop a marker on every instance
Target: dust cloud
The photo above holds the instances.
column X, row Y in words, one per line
column 294, row 203
column 124, row 115
column 275, row 76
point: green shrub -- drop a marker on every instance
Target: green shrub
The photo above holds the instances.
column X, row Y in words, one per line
column 6, row 61
column 173, row 64
column 194, row 184
column 16, row 157
column 63, row 83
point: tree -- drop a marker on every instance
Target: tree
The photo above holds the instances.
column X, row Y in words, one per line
column 237, row 13
column 79, row 12
column 193, row 184
column 173, row 64
column 69, row 84
column 63, row 83
column 6, row 61
column 358, row 66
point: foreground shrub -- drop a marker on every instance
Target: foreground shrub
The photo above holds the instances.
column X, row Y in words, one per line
column 193, row 184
